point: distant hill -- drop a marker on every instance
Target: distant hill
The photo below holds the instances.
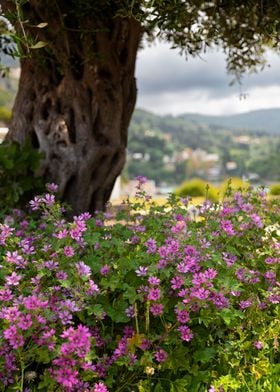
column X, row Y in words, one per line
column 267, row 121
column 170, row 148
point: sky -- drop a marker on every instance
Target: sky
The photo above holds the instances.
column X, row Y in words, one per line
column 168, row 84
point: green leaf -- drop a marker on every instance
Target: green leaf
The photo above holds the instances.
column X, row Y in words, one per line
column 229, row 316
column 96, row 309
column 38, row 45
column 179, row 385
column 42, row 355
column 159, row 388
column 205, row 355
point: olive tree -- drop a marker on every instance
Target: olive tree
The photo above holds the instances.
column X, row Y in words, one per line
column 77, row 89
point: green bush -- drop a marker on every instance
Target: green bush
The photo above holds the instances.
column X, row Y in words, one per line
column 233, row 184
column 150, row 301
column 275, row 189
column 197, row 188
column 5, row 114
column 18, row 182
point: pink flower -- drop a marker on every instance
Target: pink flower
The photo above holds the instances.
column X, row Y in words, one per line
column 161, row 355
column 93, row 288
column 258, row 344
column 156, row 309
column 100, row 387
column 177, row 282
column 13, row 280
column 227, row 227
column 154, row 281
column 105, row 270
column 154, row 294
column 245, row 304
column 61, row 234
column 6, row 295
column 35, row 203
column 52, row 187
column 69, row 251
column 182, row 316
column 142, row 271
column 151, row 245
column 83, row 269
column 185, row 332
column 25, row 322
column 66, row 377
column 48, row 199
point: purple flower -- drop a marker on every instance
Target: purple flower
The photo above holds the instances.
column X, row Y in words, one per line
column 67, row 377
column 35, row 203
column 177, row 282
column 229, row 259
column 185, row 332
column 245, row 304
column 13, row 279
column 50, row 264
column 48, row 199
column 270, row 275
column 93, row 288
column 200, row 293
column 256, row 220
column 151, row 246
column 105, row 270
column 182, row 316
column 100, row 387
column 227, row 226
column 272, row 260
column 141, row 180
column 154, row 281
column 161, row 355
column 6, row 295
column 61, row 234
column 154, row 294
column 83, row 269
column 156, row 309
column 61, row 275
column 274, row 299
column 145, row 344
column 69, row 251
column 258, row 344
column 52, row 187
column 142, row 271
column 130, row 311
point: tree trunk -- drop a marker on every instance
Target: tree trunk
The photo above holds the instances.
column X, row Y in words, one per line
column 76, row 103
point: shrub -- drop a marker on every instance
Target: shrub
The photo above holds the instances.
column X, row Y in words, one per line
column 151, row 301
column 5, row 114
column 197, row 188
column 275, row 190
column 18, row 182
column 233, row 184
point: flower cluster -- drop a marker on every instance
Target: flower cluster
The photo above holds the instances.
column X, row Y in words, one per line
column 155, row 300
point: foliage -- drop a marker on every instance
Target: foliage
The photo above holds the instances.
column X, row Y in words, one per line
column 150, row 301
column 242, row 31
column 235, row 184
column 197, row 187
column 5, row 114
column 275, row 190
column 18, row 180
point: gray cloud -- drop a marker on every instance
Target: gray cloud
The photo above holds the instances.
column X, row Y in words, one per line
column 162, row 71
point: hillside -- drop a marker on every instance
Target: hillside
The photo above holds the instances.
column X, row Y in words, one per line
column 170, row 149
column 267, row 121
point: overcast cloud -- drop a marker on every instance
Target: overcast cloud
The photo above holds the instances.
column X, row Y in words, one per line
column 167, row 83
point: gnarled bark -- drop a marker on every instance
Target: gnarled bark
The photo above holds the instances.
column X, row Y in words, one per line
column 76, row 103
